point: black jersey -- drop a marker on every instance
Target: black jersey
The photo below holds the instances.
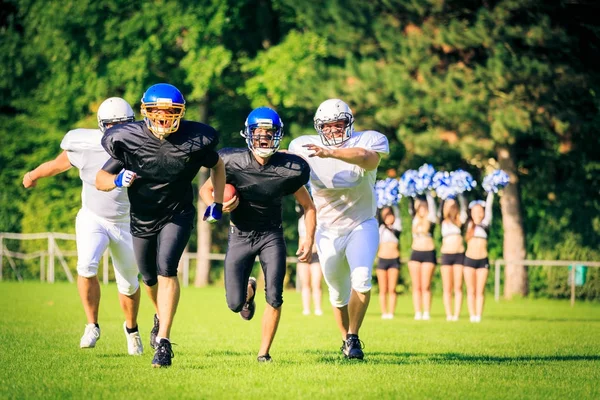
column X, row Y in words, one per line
column 261, row 187
column 165, row 169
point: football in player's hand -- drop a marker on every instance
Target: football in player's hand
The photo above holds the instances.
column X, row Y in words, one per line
column 229, row 193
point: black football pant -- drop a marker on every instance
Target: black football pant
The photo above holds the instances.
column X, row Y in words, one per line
column 243, row 248
column 160, row 253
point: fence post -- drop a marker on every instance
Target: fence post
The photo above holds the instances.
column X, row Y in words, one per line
column 573, row 285
column 50, row 275
column 1, row 255
column 105, row 267
column 497, row 280
column 42, row 267
column 186, row 269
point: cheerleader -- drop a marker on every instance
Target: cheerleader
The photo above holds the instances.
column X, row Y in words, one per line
column 389, row 259
column 309, row 274
column 476, row 265
column 422, row 259
column 453, row 254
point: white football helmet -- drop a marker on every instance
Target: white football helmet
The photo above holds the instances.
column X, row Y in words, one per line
column 330, row 111
column 114, row 110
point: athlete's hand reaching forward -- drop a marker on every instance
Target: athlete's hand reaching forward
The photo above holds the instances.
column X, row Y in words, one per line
column 321, row 152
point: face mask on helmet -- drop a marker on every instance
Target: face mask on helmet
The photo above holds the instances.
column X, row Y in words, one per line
column 263, row 132
column 163, row 106
column 334, row 122
column 114, row 110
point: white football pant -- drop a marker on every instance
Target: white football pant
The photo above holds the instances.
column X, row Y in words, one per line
column 94, row 235
column 347, row 261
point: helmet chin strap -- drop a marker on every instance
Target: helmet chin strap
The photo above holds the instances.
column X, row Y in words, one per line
column 264, row 153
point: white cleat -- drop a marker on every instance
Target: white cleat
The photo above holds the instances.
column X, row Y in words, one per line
column 318, row 312
column 90, row 337
column 134, row 342
column 426, row 316
column 418, row 316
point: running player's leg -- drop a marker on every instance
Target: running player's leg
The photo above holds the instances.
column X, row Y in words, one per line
column 239, row 261
column 126, row 275
column 336, row 273
column 172, row 240
column 92, row 241
column 144, row 249
column 361, row 250
column 272, row 259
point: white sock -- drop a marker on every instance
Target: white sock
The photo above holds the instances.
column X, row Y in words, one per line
column 158, row 339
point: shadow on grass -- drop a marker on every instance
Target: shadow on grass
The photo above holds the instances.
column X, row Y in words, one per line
column 446, row 358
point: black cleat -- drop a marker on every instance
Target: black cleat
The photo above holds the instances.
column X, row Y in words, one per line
column 250, row 307
column 352, row 348
column 154, row 333
column 264, row 358
column 163, row 355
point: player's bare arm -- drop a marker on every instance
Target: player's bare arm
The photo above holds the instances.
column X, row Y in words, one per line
column 217, row 177
column 367, row 159
column 310, row 220
column 206, row 194
column 50, row 168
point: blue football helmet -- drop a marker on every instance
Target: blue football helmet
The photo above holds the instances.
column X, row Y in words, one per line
column 266, row 143
column 163, row 106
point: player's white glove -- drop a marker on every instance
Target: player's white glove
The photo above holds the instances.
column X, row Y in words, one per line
column 125, row 178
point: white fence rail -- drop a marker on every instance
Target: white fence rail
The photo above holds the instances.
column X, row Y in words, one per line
column 540, row 263
column 47, row 257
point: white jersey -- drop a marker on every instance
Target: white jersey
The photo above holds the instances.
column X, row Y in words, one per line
column 344, row 194
column 87, row 154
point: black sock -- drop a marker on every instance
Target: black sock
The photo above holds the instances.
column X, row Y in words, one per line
column 349, row 335
column 97, row 326
column 134, row 329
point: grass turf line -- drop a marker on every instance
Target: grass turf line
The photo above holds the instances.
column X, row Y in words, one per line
column 522, row 349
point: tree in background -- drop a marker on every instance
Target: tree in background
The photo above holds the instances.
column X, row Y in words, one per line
column 509, row 84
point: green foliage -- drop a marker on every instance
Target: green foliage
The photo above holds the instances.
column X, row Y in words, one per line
column 447, row 82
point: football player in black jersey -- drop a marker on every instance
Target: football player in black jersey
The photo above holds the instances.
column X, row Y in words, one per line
column 262, row 177
column 158, row 158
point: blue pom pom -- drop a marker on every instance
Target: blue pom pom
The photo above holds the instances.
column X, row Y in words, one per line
column 387, row 192
column 424, row 178
column 462, row 181
column 495, row 181
column 408, row 183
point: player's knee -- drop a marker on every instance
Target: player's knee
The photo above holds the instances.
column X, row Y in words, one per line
column 167, row 273
column 149, row 280
column 128, row 288
column 361, row 279
column 87, row 270
column 275, row 301
column 235, row 305
column 337, row 300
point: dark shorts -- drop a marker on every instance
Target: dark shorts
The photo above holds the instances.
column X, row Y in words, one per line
column 243, row 247
column 481, row 263
column 453, row 258
column 387, row 263
column 423, row 256
column 160, row 253
column 314, row 259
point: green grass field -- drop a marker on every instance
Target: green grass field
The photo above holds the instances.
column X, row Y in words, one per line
column 522, row 349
